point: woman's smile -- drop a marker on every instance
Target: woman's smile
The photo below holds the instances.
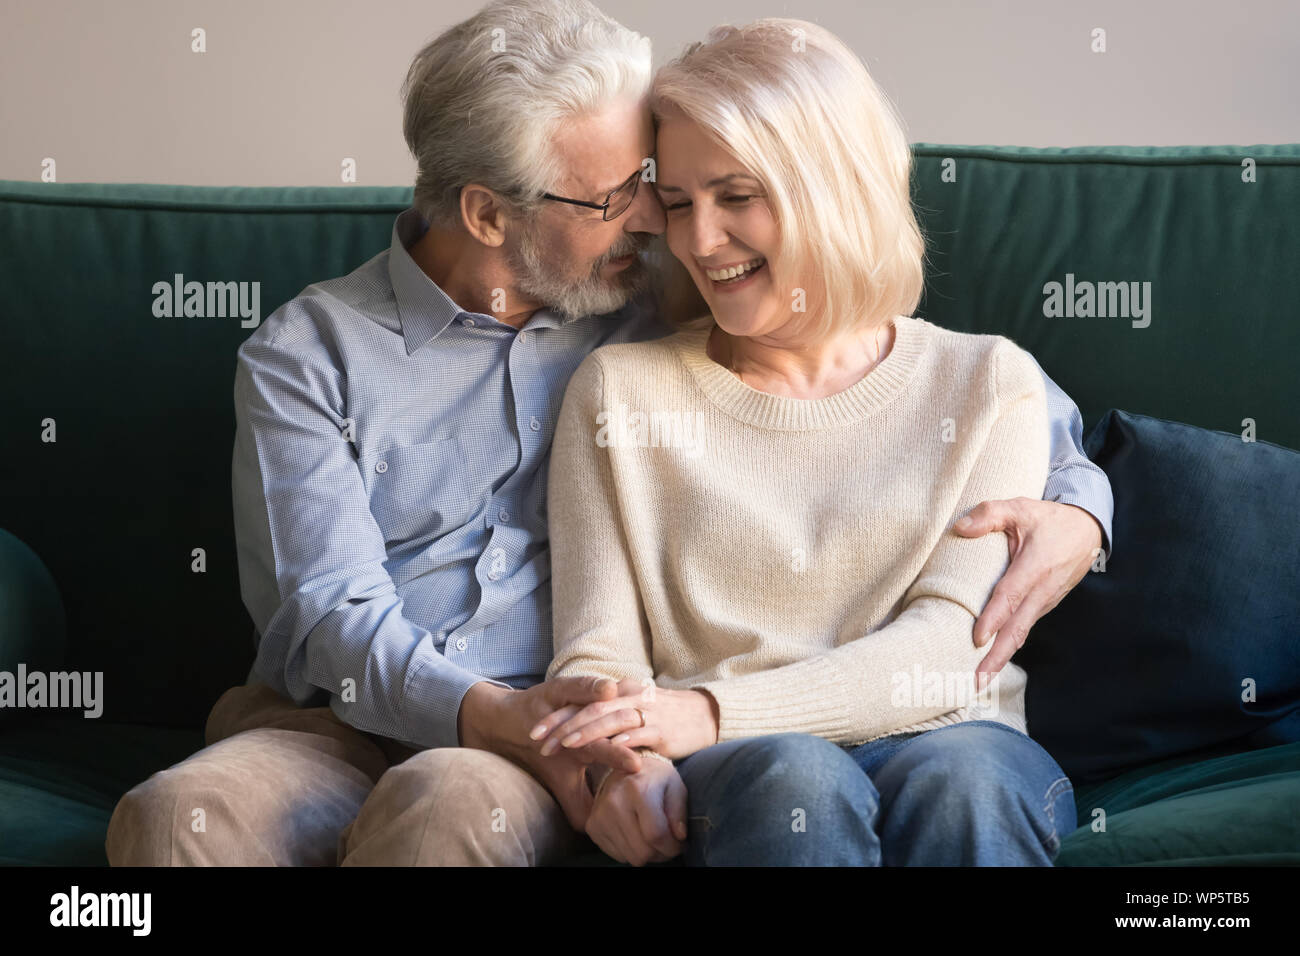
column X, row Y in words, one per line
column 732, row 278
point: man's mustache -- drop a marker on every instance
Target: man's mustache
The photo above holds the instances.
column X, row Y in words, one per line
column 631, row 245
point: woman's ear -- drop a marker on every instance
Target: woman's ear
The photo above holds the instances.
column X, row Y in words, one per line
column 483, row 214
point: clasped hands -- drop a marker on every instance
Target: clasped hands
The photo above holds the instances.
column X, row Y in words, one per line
column 636, row 817
column 639, row 815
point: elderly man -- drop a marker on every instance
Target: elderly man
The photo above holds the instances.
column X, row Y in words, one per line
column 389, row 480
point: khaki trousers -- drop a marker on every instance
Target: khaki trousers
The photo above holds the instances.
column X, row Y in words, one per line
column 283, row 785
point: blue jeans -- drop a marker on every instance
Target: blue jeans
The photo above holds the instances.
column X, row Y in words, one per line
column 977, row 793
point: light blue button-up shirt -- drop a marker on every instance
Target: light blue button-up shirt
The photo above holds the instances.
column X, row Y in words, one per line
column 389, row 481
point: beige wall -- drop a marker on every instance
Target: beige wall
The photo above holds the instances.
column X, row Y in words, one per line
column 288, row 88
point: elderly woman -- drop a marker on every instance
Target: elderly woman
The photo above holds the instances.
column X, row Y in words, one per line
column 751, row 518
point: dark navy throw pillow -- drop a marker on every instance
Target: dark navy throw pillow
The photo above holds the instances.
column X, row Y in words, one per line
column 1190, row 638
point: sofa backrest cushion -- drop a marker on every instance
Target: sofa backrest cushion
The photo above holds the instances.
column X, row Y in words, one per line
column 1209, row 234
column 138, row 477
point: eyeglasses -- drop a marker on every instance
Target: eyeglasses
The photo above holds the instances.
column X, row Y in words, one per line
column 615, row 203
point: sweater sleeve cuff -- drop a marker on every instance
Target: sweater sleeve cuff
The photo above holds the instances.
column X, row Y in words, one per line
column 776, row 702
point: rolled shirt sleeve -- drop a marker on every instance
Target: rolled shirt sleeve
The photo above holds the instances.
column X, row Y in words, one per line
column 1072, row 478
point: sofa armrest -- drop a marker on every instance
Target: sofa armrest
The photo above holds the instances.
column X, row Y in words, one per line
column 33, row 628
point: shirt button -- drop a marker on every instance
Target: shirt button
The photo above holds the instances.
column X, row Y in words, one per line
column 494, row 575
column 503, row 515
column 381, row 466
column 470, row 323
column 523, row 336
column 461, row 643
column 534, row 424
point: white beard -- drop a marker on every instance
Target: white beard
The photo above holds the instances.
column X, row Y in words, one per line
column 543, row 280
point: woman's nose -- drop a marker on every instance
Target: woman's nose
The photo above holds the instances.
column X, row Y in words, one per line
column 707, row 234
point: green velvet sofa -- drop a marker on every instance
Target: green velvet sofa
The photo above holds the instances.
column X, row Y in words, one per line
column 99, row 569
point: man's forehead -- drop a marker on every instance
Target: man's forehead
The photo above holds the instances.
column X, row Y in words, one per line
column 599, row 153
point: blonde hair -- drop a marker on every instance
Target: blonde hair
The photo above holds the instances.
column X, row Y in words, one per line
column 800, row 111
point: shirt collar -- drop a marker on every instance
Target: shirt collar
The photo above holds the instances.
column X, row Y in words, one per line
column 423, row 308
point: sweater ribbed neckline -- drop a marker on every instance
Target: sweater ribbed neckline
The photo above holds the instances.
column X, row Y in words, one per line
column 779, row 412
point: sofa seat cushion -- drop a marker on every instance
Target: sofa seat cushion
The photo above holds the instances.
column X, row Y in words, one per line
column 60, row 779
column 1236, row 809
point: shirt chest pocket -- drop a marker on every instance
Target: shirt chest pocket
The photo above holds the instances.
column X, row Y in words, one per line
column 418, row 492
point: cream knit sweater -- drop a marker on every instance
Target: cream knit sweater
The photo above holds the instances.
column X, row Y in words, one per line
column 793, row 557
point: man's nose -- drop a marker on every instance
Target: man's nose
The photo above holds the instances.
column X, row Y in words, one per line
column 646, row 214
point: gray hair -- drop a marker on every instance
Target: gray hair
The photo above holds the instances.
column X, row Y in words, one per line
column 482, row 100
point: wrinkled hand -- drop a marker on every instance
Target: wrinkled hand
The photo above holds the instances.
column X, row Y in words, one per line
column 497, row 719
column 1052, row 546
column 677, row 723
column 640, row 818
